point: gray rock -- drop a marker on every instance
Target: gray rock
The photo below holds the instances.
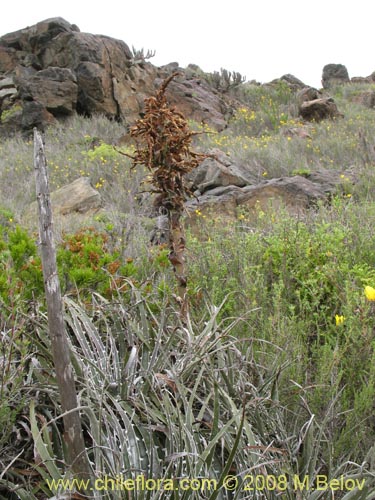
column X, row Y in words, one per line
column 296, row 194
column 217, row 171
column 34, row 114
column 8, row 59
column 195, row 98
column 54, row 88
column 334, row 74
column 31, row 38
column 293, row 82
column 76, row 197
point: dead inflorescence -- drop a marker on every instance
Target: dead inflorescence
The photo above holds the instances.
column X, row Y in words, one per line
column 163, row 144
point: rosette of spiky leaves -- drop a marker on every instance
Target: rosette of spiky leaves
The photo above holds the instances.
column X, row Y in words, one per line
column 163, row 144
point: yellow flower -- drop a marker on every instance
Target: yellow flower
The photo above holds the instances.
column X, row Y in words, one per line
column 370, row 292
column 339, row 319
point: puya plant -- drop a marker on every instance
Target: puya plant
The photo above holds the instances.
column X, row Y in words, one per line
column 163, row 144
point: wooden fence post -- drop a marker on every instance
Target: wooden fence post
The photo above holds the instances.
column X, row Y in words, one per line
column 77, row 458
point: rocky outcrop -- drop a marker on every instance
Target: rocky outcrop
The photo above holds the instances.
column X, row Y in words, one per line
column 296, row 194
column 334, row 74
column 63, row 70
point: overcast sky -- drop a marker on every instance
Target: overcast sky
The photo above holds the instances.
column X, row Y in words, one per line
column 262, row 39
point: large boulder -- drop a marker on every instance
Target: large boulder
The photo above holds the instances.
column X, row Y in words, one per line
column 34, row 114
column 334, row 74
column 101, row 67
column 319, row 109
column 77, row 197
column 72, row 205
column 313, row 105
column 218, row 170
column 294, row 193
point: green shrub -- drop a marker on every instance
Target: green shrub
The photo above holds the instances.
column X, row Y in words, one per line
column 102, row 152
column 20, row 264
column 86, row 262
column 294, row 279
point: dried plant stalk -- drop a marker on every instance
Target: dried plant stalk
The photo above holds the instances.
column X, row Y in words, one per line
column 163, row 144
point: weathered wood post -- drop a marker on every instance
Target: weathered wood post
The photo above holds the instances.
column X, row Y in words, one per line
column 77, row 458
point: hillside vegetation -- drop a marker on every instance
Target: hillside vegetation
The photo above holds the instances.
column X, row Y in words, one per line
column 274, row 374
